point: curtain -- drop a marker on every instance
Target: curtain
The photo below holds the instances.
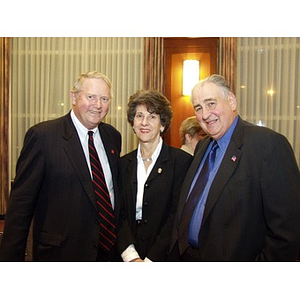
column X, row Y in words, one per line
column 44, row 70
column 268, row 84
column 4, row 117
column 227, row 60
column 154, row 75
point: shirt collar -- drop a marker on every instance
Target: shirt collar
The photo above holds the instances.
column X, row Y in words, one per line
column 82, row 130
column 155, row 153
column 225, row 139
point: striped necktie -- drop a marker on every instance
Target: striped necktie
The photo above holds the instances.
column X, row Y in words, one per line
column 107, row 231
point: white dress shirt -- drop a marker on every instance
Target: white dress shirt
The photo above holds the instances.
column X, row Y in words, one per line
column 83, row 136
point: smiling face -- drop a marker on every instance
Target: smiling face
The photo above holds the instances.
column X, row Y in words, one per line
column 146, row 125
column 214, row 110
column 91, row 103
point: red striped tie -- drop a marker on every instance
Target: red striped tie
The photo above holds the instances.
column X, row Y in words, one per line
column 107, row 219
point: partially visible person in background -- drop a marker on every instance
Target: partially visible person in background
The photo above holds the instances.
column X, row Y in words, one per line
column 190, row 133
column 151, row 179
column 55, row 182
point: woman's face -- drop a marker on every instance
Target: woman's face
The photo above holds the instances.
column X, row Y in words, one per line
column 147, row 126
column 196, row 138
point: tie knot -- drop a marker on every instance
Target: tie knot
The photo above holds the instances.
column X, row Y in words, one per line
column 90, row 133
column 214, row 146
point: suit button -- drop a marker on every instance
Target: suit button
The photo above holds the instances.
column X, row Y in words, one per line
column 145, row 221
column 145, row 203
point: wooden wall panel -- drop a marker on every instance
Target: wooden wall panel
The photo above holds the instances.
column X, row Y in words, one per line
column 4, row 117
column 176, row 51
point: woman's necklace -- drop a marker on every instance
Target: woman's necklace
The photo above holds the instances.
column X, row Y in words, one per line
column 147, row 159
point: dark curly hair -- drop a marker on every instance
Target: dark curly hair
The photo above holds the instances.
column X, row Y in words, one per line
column 155, row 102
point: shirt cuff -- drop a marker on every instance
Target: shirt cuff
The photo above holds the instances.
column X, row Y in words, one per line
column 129, row 253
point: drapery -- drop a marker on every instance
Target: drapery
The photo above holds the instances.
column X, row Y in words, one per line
column 44, row 70
column 4, row 120
column 154, row 69
column 227, row 60
column 268, row 84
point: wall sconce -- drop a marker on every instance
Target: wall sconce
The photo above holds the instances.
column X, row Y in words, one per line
column 190, row 76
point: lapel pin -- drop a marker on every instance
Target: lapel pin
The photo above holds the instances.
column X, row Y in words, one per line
column 159, row 170
column 112, row 151
column 233, row 158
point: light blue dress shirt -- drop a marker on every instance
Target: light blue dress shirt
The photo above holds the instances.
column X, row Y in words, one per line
column 197, row 217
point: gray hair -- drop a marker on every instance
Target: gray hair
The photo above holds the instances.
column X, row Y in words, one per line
column 92, row 74
column 217, row 80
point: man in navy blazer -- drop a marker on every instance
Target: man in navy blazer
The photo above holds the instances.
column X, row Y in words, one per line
column 250, row 207
column 53, row 184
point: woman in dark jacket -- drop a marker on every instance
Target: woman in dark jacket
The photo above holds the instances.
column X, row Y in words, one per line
column 151, row 179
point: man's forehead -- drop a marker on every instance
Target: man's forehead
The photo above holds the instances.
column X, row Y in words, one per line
column 206, row 91
column 94, row 83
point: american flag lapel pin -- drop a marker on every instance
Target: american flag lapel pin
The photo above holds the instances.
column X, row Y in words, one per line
column 233, row 158
column 112, row 151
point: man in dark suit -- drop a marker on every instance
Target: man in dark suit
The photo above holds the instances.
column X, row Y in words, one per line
column 53, row 184
column 249, row 209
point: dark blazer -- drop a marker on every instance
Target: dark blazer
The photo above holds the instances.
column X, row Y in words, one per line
column 54, row 186
column 161, row 195
column 253, row 207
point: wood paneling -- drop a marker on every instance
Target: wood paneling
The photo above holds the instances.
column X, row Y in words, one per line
column 1, row 225
column 176, row 51
column 4, row 110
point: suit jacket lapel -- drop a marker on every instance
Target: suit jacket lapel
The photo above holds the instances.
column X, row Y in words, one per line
column 76, row 156
column 111, row 152
column 159, row 164
column 229, row 164
column 132, row 170
column 191, row 174
column 131, row 174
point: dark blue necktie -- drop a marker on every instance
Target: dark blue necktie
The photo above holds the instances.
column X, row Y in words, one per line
column 193, row 199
